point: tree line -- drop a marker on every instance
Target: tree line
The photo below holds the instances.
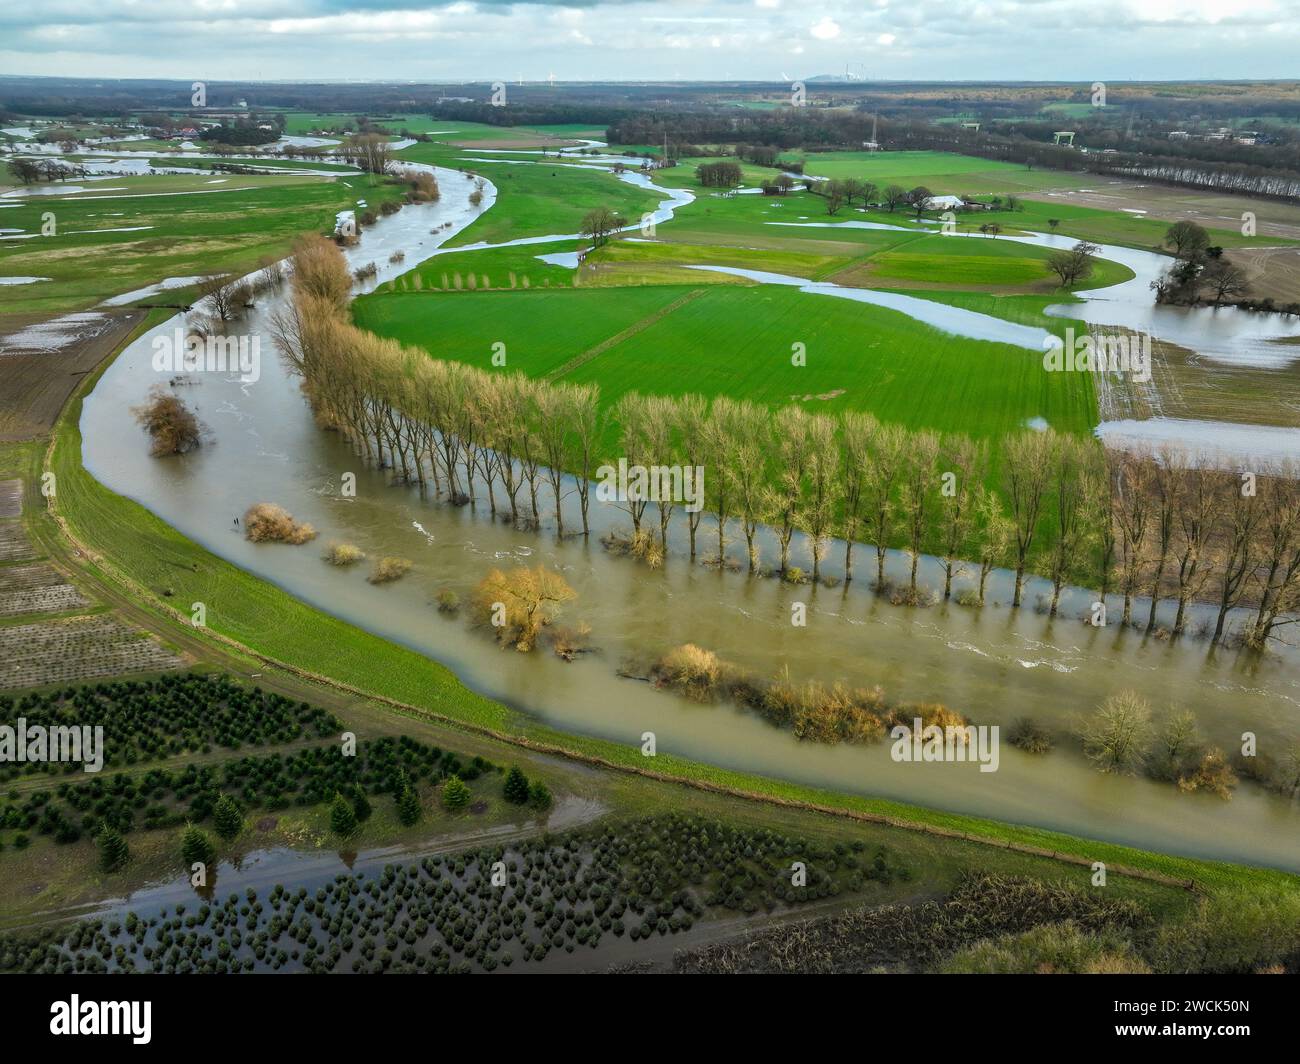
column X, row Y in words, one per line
column 1056, row 505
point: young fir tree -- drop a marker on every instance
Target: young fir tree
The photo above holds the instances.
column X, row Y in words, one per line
column 455, row 795
column 113, row 851
column 539, row 795
column 408, row 805
column 361, row 805
column 343, row 820
column 195, row 847
column 516, row 786
column 227, row 817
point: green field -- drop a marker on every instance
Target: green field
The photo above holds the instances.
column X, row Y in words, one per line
column 124, row 234
column 544, row 198
column 736, row 341
column 940, row 172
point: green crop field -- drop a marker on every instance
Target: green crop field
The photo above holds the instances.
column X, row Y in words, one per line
column 942, row 172
column 737, row 341
column 541, row 330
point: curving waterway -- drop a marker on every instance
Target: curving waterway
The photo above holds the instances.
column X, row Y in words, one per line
column 994, row 664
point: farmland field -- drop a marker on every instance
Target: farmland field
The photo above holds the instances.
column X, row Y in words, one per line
column 736, row 341
column 124, row 234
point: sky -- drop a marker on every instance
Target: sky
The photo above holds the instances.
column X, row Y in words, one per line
column 695, row 40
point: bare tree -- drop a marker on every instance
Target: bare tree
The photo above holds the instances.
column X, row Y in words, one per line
column 885, row 464
column 785, row 493
column 818, row 508
column 1164, row 484
column 894, row 196
column 857, row 431
column 1236, row 548
column 599, row 224
column 586, row 432
column 722, row 435
column 554, row 427
column 1129, row 482
column 1280, row 582
column 965, row 464
column 691, row 420
column 1187, row 239
column 1027, row 470
column 1224, row 279
column 370, row 152
column 917, row 493
column 1078, row 493
column 1115, row 738
column 1198, row 516
column 223, row 297
column 995, row 534
column 1074, row 265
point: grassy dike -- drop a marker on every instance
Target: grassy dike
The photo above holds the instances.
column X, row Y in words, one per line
column 125, row 549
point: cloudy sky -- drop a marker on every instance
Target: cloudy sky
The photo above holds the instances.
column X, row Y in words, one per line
column 1069, row 40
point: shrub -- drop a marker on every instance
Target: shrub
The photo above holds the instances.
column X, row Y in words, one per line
column 690, row 670
column 265, row 522
column 1028, row 735
column 171, row 425
column 1211, row 773
column 539, row 795
column 1115, row 737
column 519, row 604
column 343, row 554
column 448, row 601
column 387, row 570
column 569, row 641
column 1060, row 949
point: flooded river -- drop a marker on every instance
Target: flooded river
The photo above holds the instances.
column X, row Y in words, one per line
column 994, row 664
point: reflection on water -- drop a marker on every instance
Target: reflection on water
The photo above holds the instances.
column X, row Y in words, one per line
column 993, row 664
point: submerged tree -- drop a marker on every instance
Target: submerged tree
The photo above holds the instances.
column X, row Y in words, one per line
column 171, row 425
column 599, row 224
column 519, row 604
column 1116, row 737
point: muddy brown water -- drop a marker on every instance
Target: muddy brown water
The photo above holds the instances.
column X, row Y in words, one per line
column 994, row 664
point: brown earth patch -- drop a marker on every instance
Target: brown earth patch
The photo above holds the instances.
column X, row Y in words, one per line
column 11, row 498
column 1170, row 203
column 14, row 544
column 1274, row 272
column 80, row 648
column 41, row 364
column 515, row 142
